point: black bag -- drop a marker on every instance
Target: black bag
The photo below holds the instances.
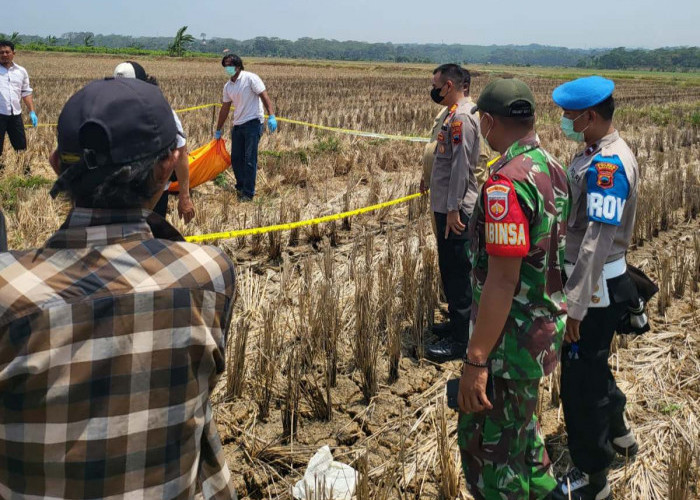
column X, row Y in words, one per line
column 635, row 319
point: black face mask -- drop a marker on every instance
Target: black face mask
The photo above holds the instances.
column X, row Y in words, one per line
column 435, row 95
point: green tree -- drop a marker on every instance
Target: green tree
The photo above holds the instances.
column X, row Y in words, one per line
column 51, row 40
column 15, row 38
column 89, row 40
column 180, row 43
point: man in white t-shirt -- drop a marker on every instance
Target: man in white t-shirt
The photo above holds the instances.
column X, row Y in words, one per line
column 14, row 89
column 246, row 91
column 185, row 207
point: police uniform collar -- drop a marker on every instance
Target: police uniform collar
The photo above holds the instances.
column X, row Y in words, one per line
column 601, row 143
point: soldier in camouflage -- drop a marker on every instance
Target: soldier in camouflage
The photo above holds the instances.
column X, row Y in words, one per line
column 519, row 309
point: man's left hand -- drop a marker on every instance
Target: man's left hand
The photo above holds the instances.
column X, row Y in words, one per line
column 34, row 119
column 573, row 330
column 454, row 223
column 472, row 390
column 185, row 208
column 272, row 123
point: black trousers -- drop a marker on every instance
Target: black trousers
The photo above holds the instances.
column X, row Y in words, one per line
column 593, row 404
column 161, row 207
column 14, row 127
column 455, row 271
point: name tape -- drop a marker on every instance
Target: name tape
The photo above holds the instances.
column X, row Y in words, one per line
column 199, row 238
column 357, row 133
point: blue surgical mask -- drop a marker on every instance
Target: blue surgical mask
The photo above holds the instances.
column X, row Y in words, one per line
column 231, row 70
column 567, row 126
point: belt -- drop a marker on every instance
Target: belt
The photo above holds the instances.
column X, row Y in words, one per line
column 615, row 268
column 610, row 270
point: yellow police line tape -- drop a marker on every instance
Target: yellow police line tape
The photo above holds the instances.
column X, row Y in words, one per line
column 293, row 225
column 358, row 133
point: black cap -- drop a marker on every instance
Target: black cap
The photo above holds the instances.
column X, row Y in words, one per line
column 507, row 97
column 114, row 122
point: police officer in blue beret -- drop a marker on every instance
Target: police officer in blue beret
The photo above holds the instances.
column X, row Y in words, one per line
column 603, row 178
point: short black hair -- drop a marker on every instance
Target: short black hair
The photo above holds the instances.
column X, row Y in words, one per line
column 605, row 109
column 7, row 43
column 451, row 72
column 232, row 60
column 122, row 187
column 517, row 122
column 467, row 79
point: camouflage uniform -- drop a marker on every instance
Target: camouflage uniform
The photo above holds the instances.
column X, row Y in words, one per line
column 522, row 211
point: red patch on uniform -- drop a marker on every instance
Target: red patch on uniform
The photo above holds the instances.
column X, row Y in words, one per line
column 456, row 131
column 441, row 137
column 506, row 227
column 606, row 173
column 497, row 201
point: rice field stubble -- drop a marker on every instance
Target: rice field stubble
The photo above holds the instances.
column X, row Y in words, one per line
column 330, row 319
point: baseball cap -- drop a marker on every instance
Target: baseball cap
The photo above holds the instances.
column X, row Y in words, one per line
column 113, row 122
column 130, row 69
column 509, row 97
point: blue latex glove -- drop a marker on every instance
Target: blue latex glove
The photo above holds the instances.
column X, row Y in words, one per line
column 35, row 120
column 217, row 135
column 272, row 123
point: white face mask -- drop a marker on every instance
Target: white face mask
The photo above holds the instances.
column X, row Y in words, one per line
column 486, row 137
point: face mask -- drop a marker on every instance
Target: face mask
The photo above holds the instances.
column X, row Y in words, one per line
column 486, row 137
column 435, row 95
column 567, row 126
column 231, row 70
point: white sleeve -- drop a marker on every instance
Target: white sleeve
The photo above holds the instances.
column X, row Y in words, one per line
column 26, row 89
column 226, row 97
column 181, row 137
column 256, row 84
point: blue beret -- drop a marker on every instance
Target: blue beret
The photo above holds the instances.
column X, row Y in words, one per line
column 583, row 93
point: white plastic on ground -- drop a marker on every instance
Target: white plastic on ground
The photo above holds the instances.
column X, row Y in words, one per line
column 325, row 478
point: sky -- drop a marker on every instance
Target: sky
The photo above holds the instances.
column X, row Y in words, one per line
column 585, row 24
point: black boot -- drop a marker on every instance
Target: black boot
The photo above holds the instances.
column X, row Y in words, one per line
column 577, row 485
column 442, row 330
column 445, row 350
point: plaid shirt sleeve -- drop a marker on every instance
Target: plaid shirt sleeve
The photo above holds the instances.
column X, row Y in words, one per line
column 107, row 357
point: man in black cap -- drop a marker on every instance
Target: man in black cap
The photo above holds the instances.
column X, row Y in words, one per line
column 113, row 334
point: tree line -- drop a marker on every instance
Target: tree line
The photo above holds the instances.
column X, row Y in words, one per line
column 667, row 59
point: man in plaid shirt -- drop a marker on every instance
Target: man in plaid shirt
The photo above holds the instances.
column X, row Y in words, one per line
column 112, row 335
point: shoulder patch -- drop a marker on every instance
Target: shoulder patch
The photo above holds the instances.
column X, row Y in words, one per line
column 506, row 227
column 608, row 189
column 456, row 129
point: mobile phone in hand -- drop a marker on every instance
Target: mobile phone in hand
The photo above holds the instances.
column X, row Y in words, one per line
column 452, row 391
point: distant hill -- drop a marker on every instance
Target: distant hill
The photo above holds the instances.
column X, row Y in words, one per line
column 670, row 59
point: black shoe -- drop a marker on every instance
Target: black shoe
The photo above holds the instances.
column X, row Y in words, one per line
column 624, row 442
column 442, row 330
column 577, row 485
column 445, row 350
column 243, row 198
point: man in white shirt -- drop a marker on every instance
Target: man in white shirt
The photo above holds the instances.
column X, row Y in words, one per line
column 246, row 91
column 14, row 88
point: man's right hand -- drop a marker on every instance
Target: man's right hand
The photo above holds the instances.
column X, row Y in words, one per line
column 423, row 187
column 454, row 224
column 217, row 135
